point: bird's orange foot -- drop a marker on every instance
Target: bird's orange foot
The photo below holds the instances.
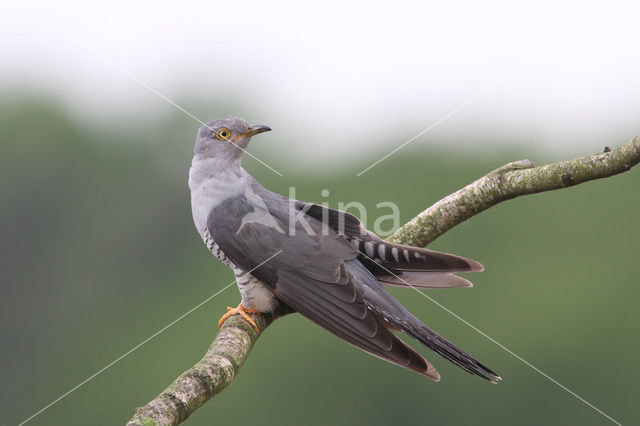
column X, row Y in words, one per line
column 242, row 311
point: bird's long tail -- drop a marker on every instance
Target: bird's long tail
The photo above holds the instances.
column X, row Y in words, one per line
column 390, row 310
column 448, row 350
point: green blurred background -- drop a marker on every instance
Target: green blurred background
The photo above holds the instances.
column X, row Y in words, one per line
column 98, row 252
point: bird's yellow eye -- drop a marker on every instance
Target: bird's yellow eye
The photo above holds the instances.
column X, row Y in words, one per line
column 223, row 134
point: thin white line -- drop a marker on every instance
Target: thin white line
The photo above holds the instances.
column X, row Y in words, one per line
column 475, row 97
column 144, row 341
column 501, row 345
column 146, row 86
column 127, row 353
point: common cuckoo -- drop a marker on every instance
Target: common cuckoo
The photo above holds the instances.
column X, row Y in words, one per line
column 318, row 261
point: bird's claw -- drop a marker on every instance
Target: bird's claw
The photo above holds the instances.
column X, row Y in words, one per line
column 242, row 311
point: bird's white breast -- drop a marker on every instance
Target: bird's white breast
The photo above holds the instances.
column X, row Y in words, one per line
column 209, row 187
column 210, row 184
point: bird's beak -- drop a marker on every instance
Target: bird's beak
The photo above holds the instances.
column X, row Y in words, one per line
column 257, row 128
column 253, row 130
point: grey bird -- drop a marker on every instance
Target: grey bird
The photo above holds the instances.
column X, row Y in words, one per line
column 320, row 262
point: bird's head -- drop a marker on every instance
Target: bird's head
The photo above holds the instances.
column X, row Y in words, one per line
column 226, row 139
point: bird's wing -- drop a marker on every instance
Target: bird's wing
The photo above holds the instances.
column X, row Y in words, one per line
column 308, row 273
column 394, row 264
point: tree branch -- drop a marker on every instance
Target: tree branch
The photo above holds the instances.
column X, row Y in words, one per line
column 510, row 181
column 236, row 338
column 210, row 375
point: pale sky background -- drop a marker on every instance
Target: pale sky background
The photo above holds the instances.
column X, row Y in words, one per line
column 344, row 75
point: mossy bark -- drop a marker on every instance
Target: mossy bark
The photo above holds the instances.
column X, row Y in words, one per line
column 214, row 372
column 510, row 181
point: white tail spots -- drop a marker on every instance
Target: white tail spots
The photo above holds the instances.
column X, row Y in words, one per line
column 394, row 253
column 382, row 251
column 368, row 247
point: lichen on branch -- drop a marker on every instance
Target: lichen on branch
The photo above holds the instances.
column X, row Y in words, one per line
column 510, row 181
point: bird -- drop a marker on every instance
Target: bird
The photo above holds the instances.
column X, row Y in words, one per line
column 317, row 261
